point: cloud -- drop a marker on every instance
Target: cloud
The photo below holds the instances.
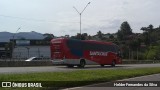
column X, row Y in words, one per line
column 107, row 26
column 60, row 18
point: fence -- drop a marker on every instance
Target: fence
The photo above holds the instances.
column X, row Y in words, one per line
column 11, row 63
column 140, row 61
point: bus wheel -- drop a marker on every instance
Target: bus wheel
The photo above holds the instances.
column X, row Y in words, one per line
column 70, row 66
column 113, row 63
column 82, row 63
column 102, row 65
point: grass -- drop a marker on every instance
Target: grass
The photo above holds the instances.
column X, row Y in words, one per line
column 79, row 78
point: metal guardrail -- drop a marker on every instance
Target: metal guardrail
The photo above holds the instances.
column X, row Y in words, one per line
column 24, row 63
column 18, row 63
column 140, row 61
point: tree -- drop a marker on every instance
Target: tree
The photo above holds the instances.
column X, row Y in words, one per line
column 125, row 37
column 84, row 36
column 119, row 35
column 148, row 29
column 135, row 43
column 125, row 31
column 111, row 37
column 100, row 34
column 125, row 28
column 149, row 34
column 80, row 36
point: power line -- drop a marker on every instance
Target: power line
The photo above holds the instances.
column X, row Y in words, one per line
column 37, row 20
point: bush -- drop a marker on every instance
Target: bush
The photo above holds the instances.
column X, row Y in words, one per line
column 141, row 56
column 152, row 53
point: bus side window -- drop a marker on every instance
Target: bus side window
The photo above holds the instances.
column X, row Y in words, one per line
column 74, row 44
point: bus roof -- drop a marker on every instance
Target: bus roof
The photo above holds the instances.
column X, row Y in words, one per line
column 59, row 40
column 98, row 42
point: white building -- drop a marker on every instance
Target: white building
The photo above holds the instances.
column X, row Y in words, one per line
column 31, row 48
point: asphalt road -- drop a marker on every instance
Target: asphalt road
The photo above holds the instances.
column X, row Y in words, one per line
column 104, row 86
column 7, row 70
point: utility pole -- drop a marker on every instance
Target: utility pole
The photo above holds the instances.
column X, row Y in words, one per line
column 28, row 51
column 11, row 51
column 16, row 32
column 80, row 14
column 137, row 53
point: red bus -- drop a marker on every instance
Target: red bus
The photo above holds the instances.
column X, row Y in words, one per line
column 73, row 52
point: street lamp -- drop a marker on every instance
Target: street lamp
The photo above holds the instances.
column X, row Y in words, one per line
column 13, row 41
column 80, row 14
column 16, row 32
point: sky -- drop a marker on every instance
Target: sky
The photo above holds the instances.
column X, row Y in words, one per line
column 60, row 18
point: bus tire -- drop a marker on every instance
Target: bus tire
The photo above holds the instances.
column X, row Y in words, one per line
column 113, row 63
column 70, row 66
column 82, row 63
column 102, row 65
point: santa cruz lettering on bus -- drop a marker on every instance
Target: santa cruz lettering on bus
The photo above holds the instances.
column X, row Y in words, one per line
column 97, row 53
